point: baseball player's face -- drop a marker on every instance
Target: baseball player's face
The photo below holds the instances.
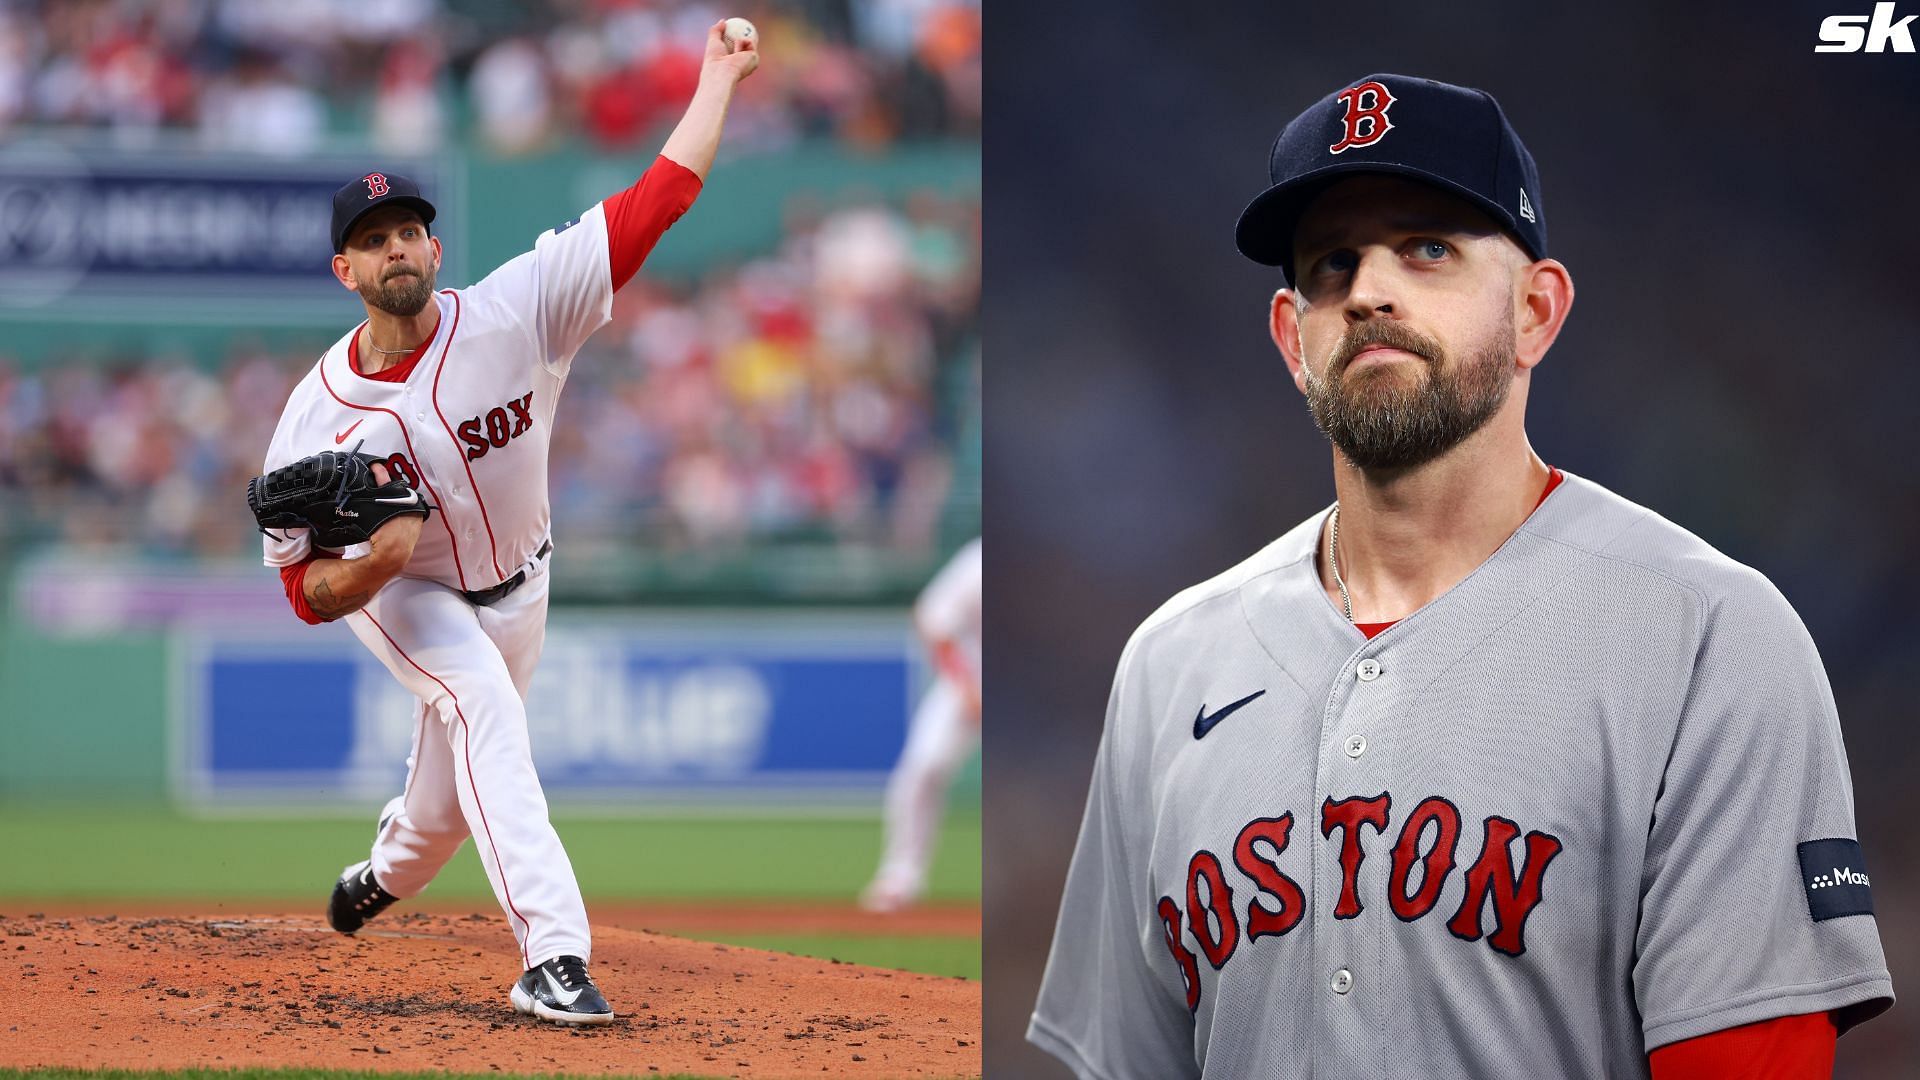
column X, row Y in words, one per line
column 1401, row 328
column 391, row 261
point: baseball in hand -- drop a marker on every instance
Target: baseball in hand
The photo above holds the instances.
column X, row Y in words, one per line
column 738, row 30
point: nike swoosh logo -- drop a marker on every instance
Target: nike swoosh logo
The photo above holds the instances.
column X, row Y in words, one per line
column 342, row 437
column 1203, row 723
column 564, row 997
column 411, row 498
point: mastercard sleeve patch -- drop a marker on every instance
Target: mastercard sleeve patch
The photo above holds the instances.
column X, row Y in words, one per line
column 1834, row 873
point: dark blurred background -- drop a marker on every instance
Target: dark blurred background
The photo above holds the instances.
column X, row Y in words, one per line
column 1739, row 217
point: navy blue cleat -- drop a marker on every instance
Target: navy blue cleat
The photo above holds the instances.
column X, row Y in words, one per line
column 357, row 897
column 560, row 990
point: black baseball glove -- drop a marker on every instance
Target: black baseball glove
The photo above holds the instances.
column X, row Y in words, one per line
column 334, row 494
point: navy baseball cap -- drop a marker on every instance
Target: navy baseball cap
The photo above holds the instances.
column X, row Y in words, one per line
column 367, row 194
column 1451, row 137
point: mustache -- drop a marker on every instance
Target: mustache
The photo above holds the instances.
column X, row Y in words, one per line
column 1381, row 332
column 399, row 271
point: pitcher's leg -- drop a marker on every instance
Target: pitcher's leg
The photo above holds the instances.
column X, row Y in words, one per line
column 421, row 828
column 938, row 741
column 500, row 795
column 432, row 641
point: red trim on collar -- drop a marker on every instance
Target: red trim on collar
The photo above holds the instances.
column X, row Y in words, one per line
column 396, row 373
column 1373, row 629
column 1554, row 476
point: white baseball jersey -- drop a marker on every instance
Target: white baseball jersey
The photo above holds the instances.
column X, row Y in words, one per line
column 469, row 424
column 949, row 607
column 1591, row 801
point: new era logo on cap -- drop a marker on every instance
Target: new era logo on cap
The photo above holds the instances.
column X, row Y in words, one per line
column 1452, row 137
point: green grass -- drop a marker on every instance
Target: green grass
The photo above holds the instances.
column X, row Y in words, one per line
column 957, row 956
column 134, row 853
column 109, row 853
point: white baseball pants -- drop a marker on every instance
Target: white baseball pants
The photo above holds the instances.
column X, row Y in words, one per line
column 939, row 739
column 471, row 771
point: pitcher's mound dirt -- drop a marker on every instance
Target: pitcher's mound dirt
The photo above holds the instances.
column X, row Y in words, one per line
column 429, row 992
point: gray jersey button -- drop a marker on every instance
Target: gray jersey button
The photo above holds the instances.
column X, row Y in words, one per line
column 1368, row 670
column 1342, row 981
column 1356, row 745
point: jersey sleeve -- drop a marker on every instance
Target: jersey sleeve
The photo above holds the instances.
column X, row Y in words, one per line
column 1104, row 1009
column 562, row 290
column 1755, row 897
column 1785, row 1048
column 949, row 607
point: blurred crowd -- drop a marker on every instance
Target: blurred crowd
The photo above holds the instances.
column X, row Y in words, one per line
column 818, row 391
column 515, row 77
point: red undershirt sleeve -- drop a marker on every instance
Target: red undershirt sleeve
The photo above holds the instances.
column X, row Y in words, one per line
column 1784, row 1048
column 295, row 579
column 951, row 662
column 638, row 216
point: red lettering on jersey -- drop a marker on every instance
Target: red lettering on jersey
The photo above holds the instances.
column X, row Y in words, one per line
column 1365, row 123
column 1169, row 913
column 1348, row 815
column 1267, row 877
column 1435, row 866
column 1513, row 898
column 522, row 419
column 1219, row 904
column 500, row 430
column 476, row 442
column 399, row 464
column 376, row 185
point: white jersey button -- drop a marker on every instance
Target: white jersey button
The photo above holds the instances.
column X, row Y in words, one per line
column 1368, row 670
column 419, row 416
column 1342, row 981
column 1356, row 745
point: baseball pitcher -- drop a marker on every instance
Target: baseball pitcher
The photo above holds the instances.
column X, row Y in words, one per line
column 1483, row 771
column 406, row 493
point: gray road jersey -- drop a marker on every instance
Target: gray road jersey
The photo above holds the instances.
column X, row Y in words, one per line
column 1591, row 801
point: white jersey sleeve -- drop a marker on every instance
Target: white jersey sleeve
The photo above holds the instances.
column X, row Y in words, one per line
column 949, row 607
column 1755, row 899
column 562, row 290
column 1112, row 1005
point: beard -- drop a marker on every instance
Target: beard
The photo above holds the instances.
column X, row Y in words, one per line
column 404, row 290
column 1379, row 420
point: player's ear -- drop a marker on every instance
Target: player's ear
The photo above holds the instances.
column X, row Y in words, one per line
column 1544, row 297
column 343, row 273
column 435, row 241
column 1283, row 323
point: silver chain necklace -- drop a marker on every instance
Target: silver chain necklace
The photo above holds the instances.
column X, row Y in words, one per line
column 1333, row 560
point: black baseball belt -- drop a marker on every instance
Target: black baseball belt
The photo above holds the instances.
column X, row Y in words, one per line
column 490, row 597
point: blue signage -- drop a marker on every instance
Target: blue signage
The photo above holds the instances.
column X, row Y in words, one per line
column 742, row 706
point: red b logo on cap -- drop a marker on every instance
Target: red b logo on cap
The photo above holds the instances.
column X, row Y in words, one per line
column 1365, row 123
column 377, row 184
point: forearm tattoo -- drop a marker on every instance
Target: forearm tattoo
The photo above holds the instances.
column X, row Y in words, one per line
column 329, row 606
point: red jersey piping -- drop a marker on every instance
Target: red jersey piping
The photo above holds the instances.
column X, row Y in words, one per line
column 408, row 439
column 493, row 546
